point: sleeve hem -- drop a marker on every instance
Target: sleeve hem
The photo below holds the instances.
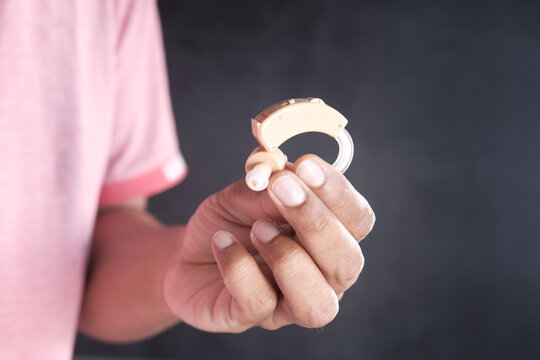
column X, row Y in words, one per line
column 167, row 175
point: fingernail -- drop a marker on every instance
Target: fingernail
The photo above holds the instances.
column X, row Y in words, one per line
column 288, row 191
column 311, row 173
column 264, row 231
column 222, row 239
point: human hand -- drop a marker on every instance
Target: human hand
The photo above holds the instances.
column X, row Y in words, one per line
column 235, row 268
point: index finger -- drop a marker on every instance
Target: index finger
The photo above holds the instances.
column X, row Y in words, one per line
column 337, row 193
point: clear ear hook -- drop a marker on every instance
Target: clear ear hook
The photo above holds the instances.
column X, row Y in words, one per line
column 346, row 151
column 286, row 119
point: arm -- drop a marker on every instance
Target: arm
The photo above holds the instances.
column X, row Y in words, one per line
column 130, row 250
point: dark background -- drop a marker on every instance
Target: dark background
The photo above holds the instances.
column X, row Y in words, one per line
column 443, row 102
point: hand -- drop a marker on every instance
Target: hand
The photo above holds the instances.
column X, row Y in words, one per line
column 235, row 268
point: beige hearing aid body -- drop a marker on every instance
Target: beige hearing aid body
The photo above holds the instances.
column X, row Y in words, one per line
column 284, row 120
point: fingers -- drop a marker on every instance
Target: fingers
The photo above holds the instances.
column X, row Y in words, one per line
column 329, row 217
column 253, row 296
column 307, row 296
column 337, row 193
column 321, row 232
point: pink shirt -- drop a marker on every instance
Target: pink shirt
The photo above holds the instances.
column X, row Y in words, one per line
column 85, row 120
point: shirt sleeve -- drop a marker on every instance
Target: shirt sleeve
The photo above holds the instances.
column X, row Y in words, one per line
column 144, row 158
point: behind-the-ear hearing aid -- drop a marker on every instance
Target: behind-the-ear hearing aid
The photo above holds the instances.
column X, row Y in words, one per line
column 286, row 119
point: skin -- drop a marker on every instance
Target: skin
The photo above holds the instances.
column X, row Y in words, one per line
column 144, row 276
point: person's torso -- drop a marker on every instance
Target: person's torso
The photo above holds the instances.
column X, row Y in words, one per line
column 55, row 128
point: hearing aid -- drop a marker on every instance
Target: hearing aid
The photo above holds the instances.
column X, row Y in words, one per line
column 284, row 120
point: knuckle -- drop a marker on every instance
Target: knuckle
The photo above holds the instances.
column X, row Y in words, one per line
column 345, row 276
column 342, row 193
column 323, row 314
column 288, row 261
column 238, row 329
column 371, row 219
column 273, row 323
column 271, row 326
column 316, row 223
column 366, row 223
column 239, row 267
column 261, row 305
column 257, row 301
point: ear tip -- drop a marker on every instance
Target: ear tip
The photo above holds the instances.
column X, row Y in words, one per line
column 257, row 178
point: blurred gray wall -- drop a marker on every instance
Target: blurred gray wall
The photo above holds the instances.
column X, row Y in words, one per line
column 443, row 102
